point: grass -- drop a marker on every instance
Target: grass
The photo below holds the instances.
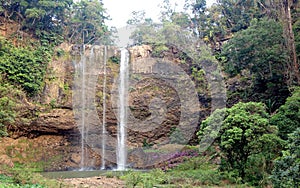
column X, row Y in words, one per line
column 9, row 182
column 145, row 179
column 195, row 172
column 25, row 176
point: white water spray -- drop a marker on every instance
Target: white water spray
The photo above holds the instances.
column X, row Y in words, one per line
column 122, row 106
column 87, row 67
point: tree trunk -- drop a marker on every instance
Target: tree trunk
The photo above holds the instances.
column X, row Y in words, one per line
column 293, row 68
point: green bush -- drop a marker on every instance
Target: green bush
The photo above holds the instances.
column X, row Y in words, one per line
column 244, row 135
column 7, row 114
column 287, row 119
column 146, row 179
column 287, row 168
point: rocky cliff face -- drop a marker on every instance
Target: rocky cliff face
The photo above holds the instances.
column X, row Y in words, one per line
column 156, row 119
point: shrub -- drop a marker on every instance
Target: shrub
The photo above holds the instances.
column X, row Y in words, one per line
column 245, row 133
column 147, row 179
column 197, row 168
column 287, row 168
column 287, row 119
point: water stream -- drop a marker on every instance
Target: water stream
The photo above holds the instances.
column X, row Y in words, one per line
column 87, row 67
column 91, row 62
column 122, row 106
column 83, row 107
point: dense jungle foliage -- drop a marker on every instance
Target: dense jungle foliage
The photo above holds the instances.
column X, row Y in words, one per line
column 256, row 43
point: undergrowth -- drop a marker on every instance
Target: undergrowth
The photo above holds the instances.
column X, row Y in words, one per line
column 25, row 176
column 194, row 172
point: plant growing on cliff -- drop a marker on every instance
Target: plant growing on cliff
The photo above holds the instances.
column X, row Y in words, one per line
column 24, row 66
column 7, row 114
column 8, row 99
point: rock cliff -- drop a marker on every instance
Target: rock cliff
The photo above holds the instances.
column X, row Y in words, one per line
column 157, row 116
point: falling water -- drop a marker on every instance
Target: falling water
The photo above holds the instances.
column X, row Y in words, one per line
column 104, row 110
column 123, row 92
column 83, row 108
column 87, row 68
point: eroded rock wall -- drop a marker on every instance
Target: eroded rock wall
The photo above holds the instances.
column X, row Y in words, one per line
column 54, row 126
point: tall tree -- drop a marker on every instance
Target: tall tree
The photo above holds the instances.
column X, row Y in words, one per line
column 237, row 14
column 217, row 23
column 260, row 51
column 87, row 22
column 293, row 69
column 46, row 14
column 258, row 48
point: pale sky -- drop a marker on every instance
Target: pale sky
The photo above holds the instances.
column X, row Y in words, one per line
column 120, row 10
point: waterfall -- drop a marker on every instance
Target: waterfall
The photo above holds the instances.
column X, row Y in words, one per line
column 104, row 109
column 94, row 137
column 122, row 106
column 87, row 65
column 83, row 107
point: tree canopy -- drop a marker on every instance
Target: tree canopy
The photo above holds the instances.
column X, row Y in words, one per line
column 245, row 136
column 288, row 116
column 80, row 22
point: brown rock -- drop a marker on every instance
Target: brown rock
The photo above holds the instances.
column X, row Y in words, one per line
column 137, row 158
column 138, row 52
column 75, row 158
column 55, row 121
